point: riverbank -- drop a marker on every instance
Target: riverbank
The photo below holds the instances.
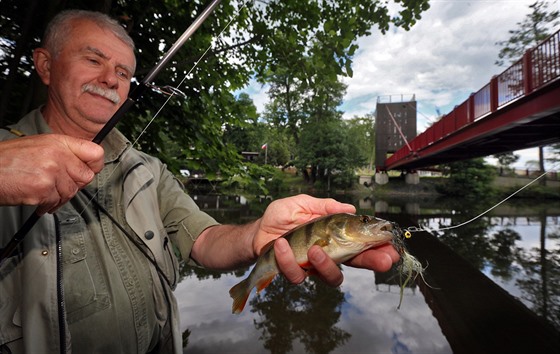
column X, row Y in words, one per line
column 428, row 188
column 291, row 184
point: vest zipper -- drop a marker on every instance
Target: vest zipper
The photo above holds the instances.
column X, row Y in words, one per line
column 60, row 288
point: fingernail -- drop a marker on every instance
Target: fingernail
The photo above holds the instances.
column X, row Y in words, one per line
column 282, row 245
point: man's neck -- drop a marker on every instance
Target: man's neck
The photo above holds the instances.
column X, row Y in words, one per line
column 60, row 124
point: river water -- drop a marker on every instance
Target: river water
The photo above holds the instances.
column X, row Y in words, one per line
column 491, row 285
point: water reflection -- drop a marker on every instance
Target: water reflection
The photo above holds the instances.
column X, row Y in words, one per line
column 514, row 249
column 519, row 252
column 308, row 314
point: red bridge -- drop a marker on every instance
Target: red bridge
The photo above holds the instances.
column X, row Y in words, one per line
column 518, row 109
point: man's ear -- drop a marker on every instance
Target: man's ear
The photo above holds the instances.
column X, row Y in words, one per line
column 42, row 60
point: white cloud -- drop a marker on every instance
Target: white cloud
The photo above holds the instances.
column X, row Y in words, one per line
column 447, row 55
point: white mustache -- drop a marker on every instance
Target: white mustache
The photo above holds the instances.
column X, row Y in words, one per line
column 109, row 94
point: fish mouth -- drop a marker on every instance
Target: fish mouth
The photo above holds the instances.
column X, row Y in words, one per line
column 398, row 238
column 396, row 230
column 385, row 231
column 389, row 227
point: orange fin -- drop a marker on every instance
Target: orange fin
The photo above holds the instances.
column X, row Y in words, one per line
column 240, row 293
column 264, row 282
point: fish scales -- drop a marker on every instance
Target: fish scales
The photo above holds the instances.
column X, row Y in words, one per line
column 342, row 236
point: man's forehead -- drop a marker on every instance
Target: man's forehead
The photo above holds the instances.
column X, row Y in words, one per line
column 103, row 42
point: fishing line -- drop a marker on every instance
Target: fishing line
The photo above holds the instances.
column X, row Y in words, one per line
column 219, row 36
column 412, row 229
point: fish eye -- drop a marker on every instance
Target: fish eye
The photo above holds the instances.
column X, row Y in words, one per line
column 365, row 219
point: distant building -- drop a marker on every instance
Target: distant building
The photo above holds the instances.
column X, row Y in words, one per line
column 393, row 120
column 250, row 156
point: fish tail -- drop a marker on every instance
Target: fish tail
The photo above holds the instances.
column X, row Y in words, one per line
column 240, row 293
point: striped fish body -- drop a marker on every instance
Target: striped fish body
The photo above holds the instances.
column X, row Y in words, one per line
column 342, row 236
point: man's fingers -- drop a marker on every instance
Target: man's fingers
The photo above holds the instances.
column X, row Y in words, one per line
column 324, row 267
column 88, row 162
column 88, row 152
column 379, row 259
column 287, row 262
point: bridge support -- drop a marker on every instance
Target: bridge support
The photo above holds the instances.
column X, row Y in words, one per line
column 381, row 206
column 412, row 178
column 381, row 177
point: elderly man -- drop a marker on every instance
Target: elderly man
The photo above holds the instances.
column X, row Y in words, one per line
column 97, row 275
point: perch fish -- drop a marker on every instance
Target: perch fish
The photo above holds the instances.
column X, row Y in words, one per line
column 342, row 236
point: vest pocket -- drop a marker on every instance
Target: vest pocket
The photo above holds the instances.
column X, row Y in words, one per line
column 85, row 291
column 10, row 291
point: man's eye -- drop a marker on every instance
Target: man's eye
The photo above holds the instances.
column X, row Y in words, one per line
column 123, row 74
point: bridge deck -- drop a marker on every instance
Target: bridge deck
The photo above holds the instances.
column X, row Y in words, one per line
column 518, row 109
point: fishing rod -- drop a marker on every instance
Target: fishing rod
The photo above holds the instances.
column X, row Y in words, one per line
column 117, row 116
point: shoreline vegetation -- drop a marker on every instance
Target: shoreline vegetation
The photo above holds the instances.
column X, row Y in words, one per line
column 293, row 183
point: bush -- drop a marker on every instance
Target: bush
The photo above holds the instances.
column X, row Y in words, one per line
column 258, row 179
column 469, row 179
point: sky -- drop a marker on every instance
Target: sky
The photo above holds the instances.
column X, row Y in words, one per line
column 447, row 55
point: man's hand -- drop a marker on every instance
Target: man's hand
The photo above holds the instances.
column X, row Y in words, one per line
column 285, row 214
column 46, row 170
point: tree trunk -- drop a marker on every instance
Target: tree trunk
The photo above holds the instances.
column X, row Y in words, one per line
column 541, row 165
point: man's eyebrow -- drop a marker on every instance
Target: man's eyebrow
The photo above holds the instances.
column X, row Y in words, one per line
column 99, row 53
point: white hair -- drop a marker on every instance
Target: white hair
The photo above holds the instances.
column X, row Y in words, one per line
column 59, row 28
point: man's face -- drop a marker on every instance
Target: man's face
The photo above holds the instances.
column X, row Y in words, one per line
column 89, row 78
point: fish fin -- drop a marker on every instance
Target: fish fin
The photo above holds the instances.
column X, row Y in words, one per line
column 321, row 242
column 264, row 282
column 239, row 293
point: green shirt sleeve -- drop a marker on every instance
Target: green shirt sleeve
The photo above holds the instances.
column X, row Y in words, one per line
column 183, row 219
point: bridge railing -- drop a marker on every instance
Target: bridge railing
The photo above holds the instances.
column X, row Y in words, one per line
column 538, row 67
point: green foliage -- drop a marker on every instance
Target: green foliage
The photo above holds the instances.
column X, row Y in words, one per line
column 507, row 158
column 536, row 191
column 258, row 179
column 304, row 42
column 362, row 131
column 468, row 178
column 554, row 150
column 534, row 28
column 327, row 150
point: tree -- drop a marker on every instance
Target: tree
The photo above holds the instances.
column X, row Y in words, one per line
column 285, row 110
column 261, row 38
column 468, row 178
column 505, row 159
column 247, row 133
column 362, row 131
column 329, row 153
column 555, row 153
column 536, row 27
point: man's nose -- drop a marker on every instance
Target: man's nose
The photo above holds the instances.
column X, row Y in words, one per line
column 109, row 78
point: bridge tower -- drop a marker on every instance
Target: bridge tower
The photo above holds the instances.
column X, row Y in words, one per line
column 395, row 119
